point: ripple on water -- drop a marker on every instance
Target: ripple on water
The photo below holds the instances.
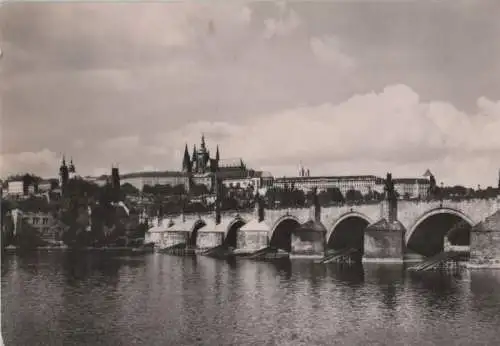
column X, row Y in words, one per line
column 57, row 299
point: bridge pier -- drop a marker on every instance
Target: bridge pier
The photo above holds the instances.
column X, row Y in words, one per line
column 254, row 235
column 384, row 241
column 212, row 236
column 485, row 243
column 309, row 240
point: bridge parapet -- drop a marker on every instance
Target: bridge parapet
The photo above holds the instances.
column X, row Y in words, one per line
column 273, row 216
column 331, row 216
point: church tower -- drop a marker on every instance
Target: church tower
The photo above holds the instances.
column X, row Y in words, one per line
column 202, row 156
column 63, row 175
column 115, row 183
column 71, row 170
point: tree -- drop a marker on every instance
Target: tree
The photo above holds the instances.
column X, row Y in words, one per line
column 199, row 189
column 35, row 204
column 377, row 196
column 7, row 226
column 353, row 196
column 336, row 195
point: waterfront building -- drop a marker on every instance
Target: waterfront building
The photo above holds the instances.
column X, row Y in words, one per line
column 47, row 227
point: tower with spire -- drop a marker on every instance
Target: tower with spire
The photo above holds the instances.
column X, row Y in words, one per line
column 71, row 169
column 186, row 161
column 200, row 161
column 194, row 162
column 63, row 175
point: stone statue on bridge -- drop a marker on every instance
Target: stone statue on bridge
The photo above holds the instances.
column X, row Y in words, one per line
column 390, row 192
column 259, row 207
column 315, row 198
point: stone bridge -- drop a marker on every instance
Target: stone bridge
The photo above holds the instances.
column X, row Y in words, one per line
column 345, row 225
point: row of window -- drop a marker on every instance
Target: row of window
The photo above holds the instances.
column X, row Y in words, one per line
column 38, row 220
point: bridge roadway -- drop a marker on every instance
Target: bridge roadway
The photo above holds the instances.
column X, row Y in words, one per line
column 201, row 228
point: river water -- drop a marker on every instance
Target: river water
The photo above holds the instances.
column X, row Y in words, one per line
column 157, row 299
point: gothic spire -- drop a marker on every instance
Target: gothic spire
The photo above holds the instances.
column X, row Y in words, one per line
column 202, row 141
column 186, row 162
column 194, row 152
column 217, row 155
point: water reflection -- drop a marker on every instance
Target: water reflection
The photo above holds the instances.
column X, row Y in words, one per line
column 103, row 299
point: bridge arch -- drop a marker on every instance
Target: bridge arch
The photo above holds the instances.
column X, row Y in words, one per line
column 193, row 233
column 231, row 232
column 348, row 231
column 281, row 233
column 426, row 235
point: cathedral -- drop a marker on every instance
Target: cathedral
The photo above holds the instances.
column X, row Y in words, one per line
column 201, row 167
column 200, row 162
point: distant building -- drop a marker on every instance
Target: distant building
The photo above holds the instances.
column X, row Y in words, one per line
column 141, row 179
column 253, row 179
column 45, row 185
column 363, row 183
column 15, row 188
column 412, row 187
column 304, row 172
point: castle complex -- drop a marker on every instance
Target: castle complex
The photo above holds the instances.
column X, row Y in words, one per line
column 201, row 168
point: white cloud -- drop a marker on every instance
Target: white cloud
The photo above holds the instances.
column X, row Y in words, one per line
column 283, row 26
column 42, row 162
column 392, row 129
column 327, row 50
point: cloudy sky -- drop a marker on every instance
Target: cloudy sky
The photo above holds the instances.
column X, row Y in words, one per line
column 346, row 88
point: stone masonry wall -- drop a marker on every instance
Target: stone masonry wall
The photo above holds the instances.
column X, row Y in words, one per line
column 485, row 248
column 252, row 240
column 208, row 240
column 172, row 238
column 385, row 245
column 308, row 243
